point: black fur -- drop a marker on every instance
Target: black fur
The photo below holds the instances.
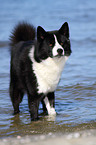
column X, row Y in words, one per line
column 22, row 32
column 22, row 77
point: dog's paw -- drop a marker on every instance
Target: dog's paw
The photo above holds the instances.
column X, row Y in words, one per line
column 52, row 111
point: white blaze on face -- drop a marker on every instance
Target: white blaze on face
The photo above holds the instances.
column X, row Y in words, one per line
column 56, row 47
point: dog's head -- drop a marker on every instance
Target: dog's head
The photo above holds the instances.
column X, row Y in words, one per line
column 52, row 43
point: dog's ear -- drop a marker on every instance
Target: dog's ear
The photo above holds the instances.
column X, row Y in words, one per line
column 41, row 33
column 64, row 30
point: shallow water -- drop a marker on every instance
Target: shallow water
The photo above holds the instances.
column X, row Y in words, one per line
column 76, row 94
column 75, row 102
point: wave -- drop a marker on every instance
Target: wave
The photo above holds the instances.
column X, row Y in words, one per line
column 84, row 40
column 4, row 43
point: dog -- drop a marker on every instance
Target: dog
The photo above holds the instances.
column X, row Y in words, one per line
column 37, row 61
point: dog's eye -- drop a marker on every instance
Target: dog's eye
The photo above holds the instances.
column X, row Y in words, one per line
column 61, row 43
column 50, row 45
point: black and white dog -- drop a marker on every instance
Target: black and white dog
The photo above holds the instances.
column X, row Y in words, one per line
column 36, row 65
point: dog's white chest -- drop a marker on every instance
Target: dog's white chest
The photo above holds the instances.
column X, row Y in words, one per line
column 48, row 73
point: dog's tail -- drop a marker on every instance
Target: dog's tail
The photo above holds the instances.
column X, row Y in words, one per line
column 22, row 32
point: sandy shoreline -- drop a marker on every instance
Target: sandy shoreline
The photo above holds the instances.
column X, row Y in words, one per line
column 87, row 137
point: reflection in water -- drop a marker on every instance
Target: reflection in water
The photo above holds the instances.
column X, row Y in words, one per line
column 75, row 107
column 43, row 126
column 51, row 118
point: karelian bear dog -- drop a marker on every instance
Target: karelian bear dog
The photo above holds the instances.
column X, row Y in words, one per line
column 37, row 61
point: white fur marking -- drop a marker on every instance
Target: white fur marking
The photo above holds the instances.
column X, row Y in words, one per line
column 56, row 47
column 51, row 110
column 48, row 72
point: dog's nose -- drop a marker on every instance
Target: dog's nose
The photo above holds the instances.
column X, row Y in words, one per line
column 60, row 51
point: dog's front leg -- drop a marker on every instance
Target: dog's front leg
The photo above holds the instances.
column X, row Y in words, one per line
column 49, row 101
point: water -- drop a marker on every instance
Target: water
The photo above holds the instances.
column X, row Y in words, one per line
column 76, row 94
